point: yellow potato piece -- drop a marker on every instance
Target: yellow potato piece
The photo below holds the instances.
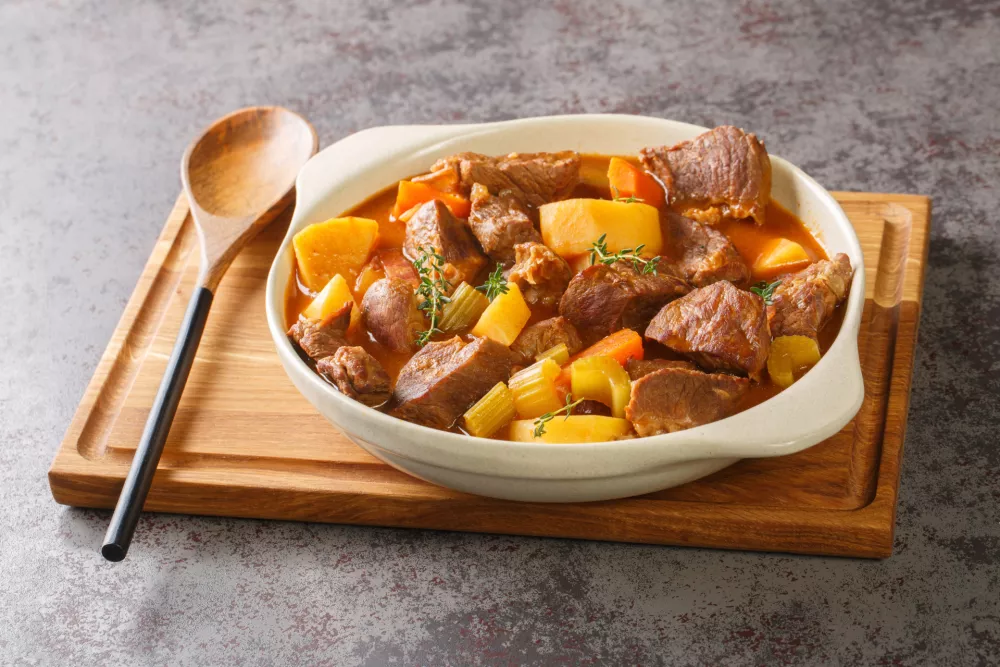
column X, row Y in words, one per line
column 570, row 227
column 330, row 300
column 340, row 245
column 504, row 318
column 780, row 256
column 368, row 276
column 573, row 429
column 790, row 356
column 601, row 379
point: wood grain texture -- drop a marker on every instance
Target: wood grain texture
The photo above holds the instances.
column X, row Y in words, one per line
column 246, row 443
column 238, row 176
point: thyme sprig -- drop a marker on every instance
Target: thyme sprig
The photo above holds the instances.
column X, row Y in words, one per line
column 549, row 416
column 765, row 291
column 631, row 199
column 599, row 253
column 433, row 290
column 495, row 285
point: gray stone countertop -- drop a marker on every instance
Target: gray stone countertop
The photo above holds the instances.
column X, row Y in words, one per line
column 99, row 99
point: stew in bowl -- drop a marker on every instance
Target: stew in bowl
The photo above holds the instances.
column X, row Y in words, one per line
column 359, row 178
column 569, row 297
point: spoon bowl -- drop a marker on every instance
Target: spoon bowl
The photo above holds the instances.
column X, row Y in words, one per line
column 248, row 160
column 238, row 175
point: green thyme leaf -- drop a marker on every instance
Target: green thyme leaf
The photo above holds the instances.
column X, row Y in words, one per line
column 495, row 285
column 549, row 416
column 765, row 290
column 599, row 253
column 433, row 290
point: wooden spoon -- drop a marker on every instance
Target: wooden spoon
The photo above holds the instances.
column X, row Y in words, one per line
column 237, row 177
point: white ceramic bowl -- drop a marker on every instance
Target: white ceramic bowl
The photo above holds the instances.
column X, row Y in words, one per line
column 813, row 409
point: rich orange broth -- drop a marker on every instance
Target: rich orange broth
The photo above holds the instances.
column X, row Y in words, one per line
column 750, row 240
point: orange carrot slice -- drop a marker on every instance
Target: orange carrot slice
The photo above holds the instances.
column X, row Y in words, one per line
column 412, row 194
column 628, row 180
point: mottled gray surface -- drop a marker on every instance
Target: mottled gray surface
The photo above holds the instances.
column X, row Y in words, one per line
column 97, row 101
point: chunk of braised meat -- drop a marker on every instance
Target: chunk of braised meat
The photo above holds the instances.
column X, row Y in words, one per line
column 638, row 368
column 390, row 313
column 602, row 299
column 357, row 374
column 499, row 222
column 434, row 226
column 804, row 302
column 719, row 327
column 540, row 274
column 674, row 399
column 703, row 254
column 532, row 178
column 351, row 369
column 722, row 173
column 443, row 379
column 322, row 339
column 397, row 266
column 544, row 335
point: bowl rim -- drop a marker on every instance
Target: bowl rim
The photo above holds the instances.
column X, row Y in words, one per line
column 706, row 441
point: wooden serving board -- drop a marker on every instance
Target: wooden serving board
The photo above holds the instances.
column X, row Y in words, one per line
column 245, row 443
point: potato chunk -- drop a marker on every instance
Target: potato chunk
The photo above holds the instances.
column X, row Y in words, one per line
column 570, row 227
column 330, row 300
column 368, row 276
column 791, row 356
column 504, row 318
column 780, row 256
column 576, row 428
column 339, row 245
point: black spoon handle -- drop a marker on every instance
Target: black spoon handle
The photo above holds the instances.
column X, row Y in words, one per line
column 147, row 454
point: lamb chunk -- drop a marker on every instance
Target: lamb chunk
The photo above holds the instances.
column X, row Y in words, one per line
column 322, row 339
column 357, row 374
column 390, row 313
column 531, row 178
column 722, row 173
column 351, row 369
column 638, row 368
column 540, row 274
column 545, row 335
column 674, row 399
column 703, row 254
column 804, row 302
column 396, row 265
column 719, row 327
column 602, row 299
column 433, row 226
column 443, row 379
column 499, row 223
